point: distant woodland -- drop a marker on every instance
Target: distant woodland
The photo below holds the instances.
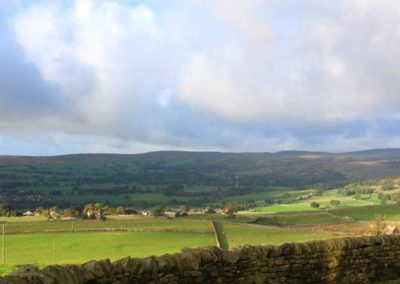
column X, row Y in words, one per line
column 171, row 178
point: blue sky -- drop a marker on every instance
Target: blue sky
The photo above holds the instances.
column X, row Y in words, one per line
column 247, row 75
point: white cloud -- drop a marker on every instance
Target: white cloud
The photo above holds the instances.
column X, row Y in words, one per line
column 329, row 69
column 130, row 71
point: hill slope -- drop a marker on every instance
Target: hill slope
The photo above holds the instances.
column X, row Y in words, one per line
column 65, row 180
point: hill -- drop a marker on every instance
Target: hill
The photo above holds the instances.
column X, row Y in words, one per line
column 177, row 177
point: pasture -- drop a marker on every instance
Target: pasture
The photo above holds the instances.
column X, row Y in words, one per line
column 368, row 213
column 45, row 242
column 289, row 205
column 297, row 219
column 238, row 235
column 35, row 240
column 77, row 241
column 79, row 247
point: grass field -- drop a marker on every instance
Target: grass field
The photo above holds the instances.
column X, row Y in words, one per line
column 80, row 247
column 238, row 235
column 29, row 240
column 283, row 208
column 323, row 201
column 144, row 224
column 81, row 240
column 294, row 219
column 368, row 213
column 240, row 218
column 22, row 219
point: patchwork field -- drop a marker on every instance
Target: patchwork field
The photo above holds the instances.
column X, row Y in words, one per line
column 323, row 201
column 279, row 216
column 44, row 242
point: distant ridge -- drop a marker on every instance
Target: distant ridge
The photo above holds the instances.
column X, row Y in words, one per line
column 375, row 151
column 206, row 153
column 163, row 174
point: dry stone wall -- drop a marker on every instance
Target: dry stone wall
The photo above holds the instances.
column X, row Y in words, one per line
column 347, row 260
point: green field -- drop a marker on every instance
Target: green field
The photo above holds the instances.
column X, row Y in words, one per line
column 144, row 224
column 323, row 201
column 81, row 240
column 239, row 218
column 238, row 235
column 80, row 247
column 297, row 219
column 282, row 208
column 369, row 213
column 22, row 219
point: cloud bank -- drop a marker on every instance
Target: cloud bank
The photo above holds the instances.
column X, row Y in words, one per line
column 132, row 76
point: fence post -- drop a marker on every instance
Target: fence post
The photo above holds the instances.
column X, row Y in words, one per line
column 3, row 244
column 54, row 254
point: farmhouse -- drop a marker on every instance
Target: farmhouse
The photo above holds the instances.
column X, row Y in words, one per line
column 196, row 211
column 28, row 213
column 171, row 214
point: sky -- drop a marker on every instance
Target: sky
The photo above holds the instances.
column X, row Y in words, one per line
column 90, row 76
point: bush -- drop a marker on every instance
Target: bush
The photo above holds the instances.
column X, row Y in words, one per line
column 334, row 203
column 210, row 210
column 120, row 210
column 157, row 211
column 314, row 204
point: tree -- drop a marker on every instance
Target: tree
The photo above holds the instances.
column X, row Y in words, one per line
column 314, row 204
column 383, row 198
column 395, row 197
column 110, row 211
column 232, row 208
column 250, row 204
column 120, row 210
column 209, row 210
column 42, row 211
column 268, row 201
column 184, row 209
column 6, row 210
column 74, row 212
column 68, row 212
column 99, row 209
column 335, row 203
column 53, row 213
column 157, row 211
column 318, row 192
column 231, row 215
column 88, row 211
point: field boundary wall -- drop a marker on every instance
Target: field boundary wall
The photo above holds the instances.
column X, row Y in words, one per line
column 346, row 260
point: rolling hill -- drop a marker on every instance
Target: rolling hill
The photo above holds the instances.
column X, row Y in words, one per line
column 178, row 177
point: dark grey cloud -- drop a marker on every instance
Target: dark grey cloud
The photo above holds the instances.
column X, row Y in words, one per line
column 22, row 90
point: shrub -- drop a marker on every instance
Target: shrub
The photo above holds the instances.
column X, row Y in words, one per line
column 314, row 204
